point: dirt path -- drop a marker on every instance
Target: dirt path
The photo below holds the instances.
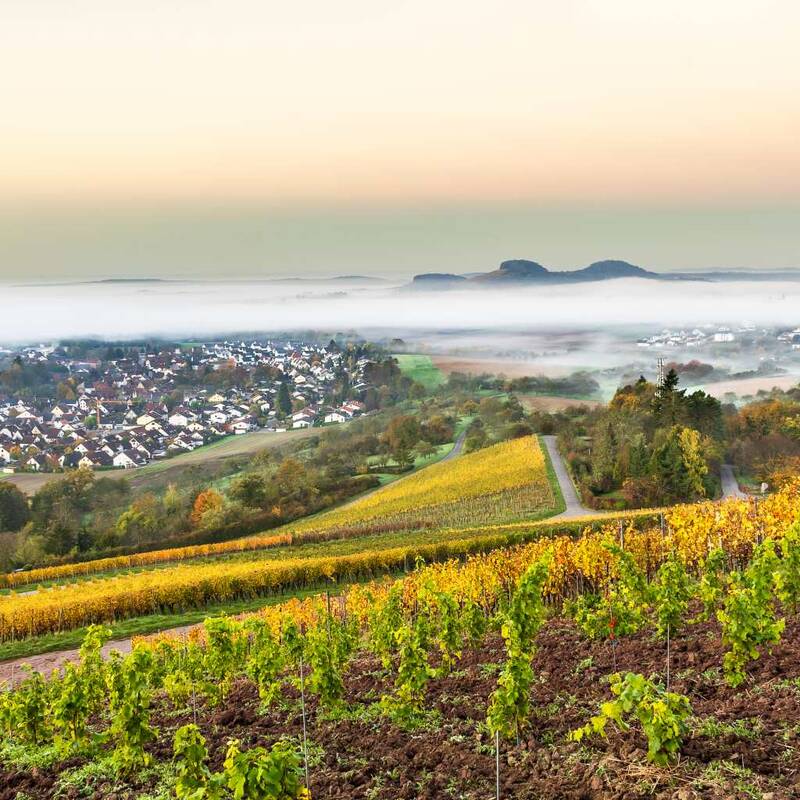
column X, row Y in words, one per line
column 11, row 672
column 574, row 507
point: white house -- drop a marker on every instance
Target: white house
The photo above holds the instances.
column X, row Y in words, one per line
column 36, row 463
column 179, row 419
column 127, row 459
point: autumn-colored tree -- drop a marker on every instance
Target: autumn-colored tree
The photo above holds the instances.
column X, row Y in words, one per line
column 208, row 500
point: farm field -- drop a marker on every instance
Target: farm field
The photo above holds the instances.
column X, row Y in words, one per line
column 551, row 403
column 510, row 368
column 745, row 387
column 149, row 559
column 504, row 482
column 736, row 746
column 430, row 544
column 420, row 369
column 407, row 689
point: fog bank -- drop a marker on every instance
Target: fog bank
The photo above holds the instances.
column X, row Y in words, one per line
column 128, row 310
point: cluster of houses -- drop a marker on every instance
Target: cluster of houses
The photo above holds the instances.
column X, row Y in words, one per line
column 720, row 334
column 125, row 412
column 701, row 336
column 791, row 338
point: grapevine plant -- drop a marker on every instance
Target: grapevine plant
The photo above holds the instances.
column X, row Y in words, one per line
column 130, row 696
column 413, row 673
column 662, row 715
column 510, row 702
column 622, row 610
column 254, row 774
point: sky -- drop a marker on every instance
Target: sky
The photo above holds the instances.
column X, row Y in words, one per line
column 220, row 138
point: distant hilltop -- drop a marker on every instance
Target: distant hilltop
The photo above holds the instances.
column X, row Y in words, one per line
column 522, row 272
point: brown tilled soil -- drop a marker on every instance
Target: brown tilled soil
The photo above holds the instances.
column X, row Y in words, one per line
column 364, row 755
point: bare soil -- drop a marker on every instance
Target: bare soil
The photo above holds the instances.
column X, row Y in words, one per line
column 364, row 755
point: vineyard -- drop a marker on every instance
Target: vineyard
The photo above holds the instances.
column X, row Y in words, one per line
column 508, row 481
column 631, row 662
column 172, row 589
column 503, row 482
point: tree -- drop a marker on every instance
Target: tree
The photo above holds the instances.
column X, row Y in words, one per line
column 284, row 400
column 668, row 397
column 604, row 449
column 401, row 436
column 417, row 391
column 65, row 392
column 208, row 500
column 693, row 462
column 424, row 449
column 249, row 490
column 439, row 430
column 57, row 510
column 14, row 511
column 140, row 522
column 679, row 466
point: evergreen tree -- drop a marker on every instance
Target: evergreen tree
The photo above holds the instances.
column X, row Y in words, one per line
column 679, row 466
column 14, row 511
column 604, row 457
column 284, row 400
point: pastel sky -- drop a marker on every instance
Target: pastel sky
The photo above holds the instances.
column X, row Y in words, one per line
column 263, row 137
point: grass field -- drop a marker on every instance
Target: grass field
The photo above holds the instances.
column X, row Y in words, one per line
column 171, row 468
column 420, row 369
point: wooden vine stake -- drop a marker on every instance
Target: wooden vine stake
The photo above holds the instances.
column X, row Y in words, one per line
column 668, row 632
column 303, row 707
column 497, row 764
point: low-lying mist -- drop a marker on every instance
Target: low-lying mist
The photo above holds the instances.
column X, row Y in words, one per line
column 127, row 310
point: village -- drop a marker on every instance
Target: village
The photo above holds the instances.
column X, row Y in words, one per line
column 707, row 335
column 137, row 404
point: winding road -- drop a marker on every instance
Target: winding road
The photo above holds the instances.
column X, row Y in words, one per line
column 730, row 486
column 458, row 446
column 574, row 507
column 10, row 672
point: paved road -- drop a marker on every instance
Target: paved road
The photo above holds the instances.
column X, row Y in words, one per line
column 458, row 446
column 574, row 506
column 730, row 486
